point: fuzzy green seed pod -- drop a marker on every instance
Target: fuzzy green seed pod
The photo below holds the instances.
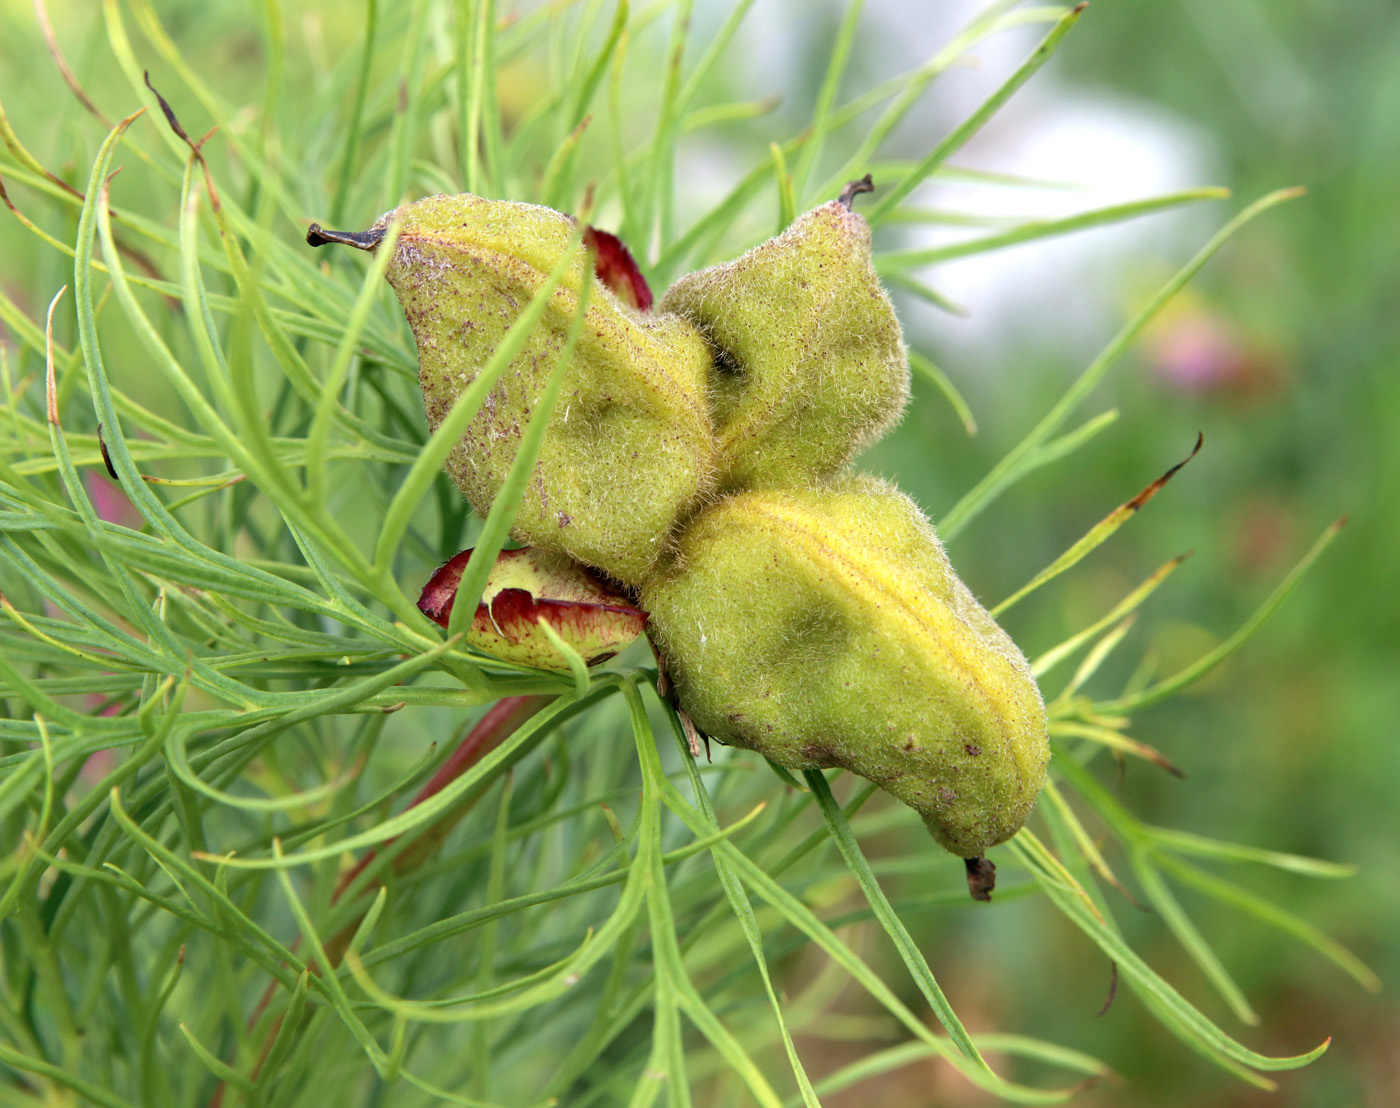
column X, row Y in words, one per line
column 810, row 364
column 825, row 627
column 629, row 446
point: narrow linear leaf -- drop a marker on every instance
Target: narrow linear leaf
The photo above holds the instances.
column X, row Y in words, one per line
column 220, row 1069
column 761, row 881
column 63, row 1078
column 1203, row 665
column 422, row 814
column 1087, row 847
column 1090, row 665
column 970, row 126
column 909, row 952
column 333, row 987
column 1185, row 842
column 355, row 125
column 670, row 968
column 1189, row 936
column 743, row 911
column 1179, row 1015
column 1125, row 607
column 1098, row 534
column 900, row 279
column 826, row 95
column 1115, row 740
column 1040, row 229
column 1251, row 904
column 995, row 482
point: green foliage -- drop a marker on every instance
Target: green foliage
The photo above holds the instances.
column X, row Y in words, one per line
column 219, row 696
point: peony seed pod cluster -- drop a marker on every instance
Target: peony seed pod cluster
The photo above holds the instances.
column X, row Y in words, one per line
column 699, row 458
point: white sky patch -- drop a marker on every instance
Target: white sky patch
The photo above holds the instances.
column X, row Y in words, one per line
column 1074, row 287
column 1071, row 291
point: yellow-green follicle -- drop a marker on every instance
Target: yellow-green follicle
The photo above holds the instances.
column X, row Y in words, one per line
column 629, row 445
column 810, row 364
column 825, row 627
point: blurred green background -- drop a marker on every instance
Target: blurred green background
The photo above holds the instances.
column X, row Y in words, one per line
column 1293, row 742
column 1284, row 353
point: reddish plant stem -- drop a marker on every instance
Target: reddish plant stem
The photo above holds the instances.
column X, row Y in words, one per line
column 502, row 720
column 494, row 728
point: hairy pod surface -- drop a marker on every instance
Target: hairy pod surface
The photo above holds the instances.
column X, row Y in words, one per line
column 629, row 445
column 810, row 364
column 826, row 627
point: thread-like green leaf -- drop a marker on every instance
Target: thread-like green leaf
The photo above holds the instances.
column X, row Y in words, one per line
column 1006, row 470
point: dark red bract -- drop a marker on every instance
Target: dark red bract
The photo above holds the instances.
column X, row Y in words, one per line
column 614, row 265
column 587, row 612
column 441, row 589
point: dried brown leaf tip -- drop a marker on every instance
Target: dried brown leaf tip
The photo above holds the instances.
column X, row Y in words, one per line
column 528, row 587
column 1153, row 489
column 615, row 267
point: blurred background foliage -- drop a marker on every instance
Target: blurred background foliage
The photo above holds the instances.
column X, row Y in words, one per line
column 1284, row 352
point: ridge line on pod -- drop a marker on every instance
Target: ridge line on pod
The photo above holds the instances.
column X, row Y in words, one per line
column 903, row 609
